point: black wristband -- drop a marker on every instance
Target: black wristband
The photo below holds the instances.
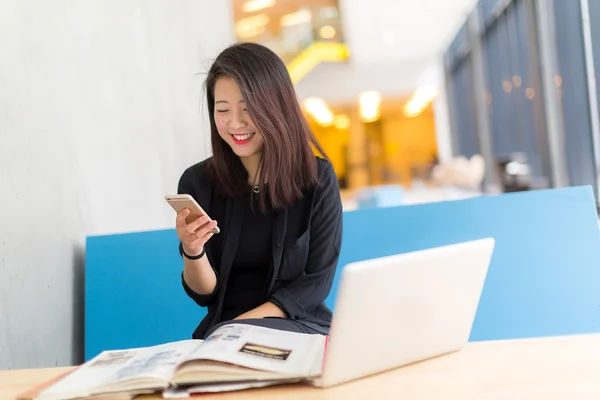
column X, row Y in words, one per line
column 199, row 256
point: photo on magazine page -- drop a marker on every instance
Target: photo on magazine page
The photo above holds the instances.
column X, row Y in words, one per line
column 265, row 351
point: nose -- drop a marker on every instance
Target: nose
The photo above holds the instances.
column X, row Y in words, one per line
column 237, row 121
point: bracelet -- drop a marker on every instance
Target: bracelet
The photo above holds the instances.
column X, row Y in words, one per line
column 199, row 256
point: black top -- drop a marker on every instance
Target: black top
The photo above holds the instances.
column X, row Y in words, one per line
column 247, row 283
column 303, row 250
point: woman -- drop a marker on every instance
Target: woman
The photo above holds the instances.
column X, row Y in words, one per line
column 277, row 205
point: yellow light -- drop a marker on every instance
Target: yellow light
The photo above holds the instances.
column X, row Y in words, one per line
column 420, row 100
column 319, row 111
column 342, row 122
column 296, row 18
column 411, row 112
column 327, row 32
column 251, row 26
column 255, row 5
column 369, row 106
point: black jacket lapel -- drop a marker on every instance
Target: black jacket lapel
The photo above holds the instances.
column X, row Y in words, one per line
column 278, row 239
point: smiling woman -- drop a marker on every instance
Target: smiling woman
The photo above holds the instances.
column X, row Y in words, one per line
column 249, row 92
column 278, row 205
column 235, row 125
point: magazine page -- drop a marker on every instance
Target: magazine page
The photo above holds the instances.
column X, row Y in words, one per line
column 155, row 362
column 93, row 374
column 262, row 348
column 111, row 368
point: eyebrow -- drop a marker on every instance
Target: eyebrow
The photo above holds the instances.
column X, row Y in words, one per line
column 225, row 101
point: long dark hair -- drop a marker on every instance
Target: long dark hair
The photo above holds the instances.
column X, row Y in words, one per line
column 288, row 163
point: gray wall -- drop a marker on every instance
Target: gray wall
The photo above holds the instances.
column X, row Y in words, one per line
column 100, row 112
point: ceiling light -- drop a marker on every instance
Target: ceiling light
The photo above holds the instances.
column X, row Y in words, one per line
column 412, row 110
column 342, row 121
column 251, row 26
column 420, row 100
column 369, row 106
column 318, row 109
column 327, row 32
column 255, row 5
column 296, row 18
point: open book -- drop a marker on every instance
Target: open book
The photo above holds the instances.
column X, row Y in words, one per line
column 235, row 356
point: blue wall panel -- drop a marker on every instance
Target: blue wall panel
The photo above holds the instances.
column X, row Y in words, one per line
column 543, row 280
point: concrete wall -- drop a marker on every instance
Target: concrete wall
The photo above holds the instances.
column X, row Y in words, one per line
column 101, row 109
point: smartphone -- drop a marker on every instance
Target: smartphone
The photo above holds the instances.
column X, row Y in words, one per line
column 183, row 201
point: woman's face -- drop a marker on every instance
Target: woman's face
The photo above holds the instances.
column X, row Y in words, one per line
column 233, row 121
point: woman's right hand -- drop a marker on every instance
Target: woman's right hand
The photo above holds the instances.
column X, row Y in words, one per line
column 193, row 236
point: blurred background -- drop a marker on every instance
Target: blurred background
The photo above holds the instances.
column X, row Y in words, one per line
column 418, row 101
column 414, row 101
column 370, row 78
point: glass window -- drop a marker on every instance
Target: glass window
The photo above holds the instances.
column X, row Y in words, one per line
column 573, row 93
column 463, row 106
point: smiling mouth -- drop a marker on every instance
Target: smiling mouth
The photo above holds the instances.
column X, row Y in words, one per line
column 242, row 138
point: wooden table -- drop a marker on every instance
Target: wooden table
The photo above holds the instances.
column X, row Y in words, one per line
column 565, row 367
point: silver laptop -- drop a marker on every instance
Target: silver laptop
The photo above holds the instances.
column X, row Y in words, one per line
column 397, row 310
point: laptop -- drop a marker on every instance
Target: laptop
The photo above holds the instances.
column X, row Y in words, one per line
column 397, row 310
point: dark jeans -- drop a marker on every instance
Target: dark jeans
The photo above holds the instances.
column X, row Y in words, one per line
column 283, row 324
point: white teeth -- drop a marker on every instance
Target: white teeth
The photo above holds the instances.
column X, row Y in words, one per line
column 243, row 137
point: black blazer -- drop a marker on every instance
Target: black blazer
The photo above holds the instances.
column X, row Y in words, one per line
column 307, row 238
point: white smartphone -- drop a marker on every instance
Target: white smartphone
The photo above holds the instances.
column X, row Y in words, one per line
column 182, row 201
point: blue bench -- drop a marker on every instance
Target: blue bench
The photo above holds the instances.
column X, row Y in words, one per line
column 544, row 278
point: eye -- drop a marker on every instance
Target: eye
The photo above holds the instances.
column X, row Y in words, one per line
column 222, row 111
